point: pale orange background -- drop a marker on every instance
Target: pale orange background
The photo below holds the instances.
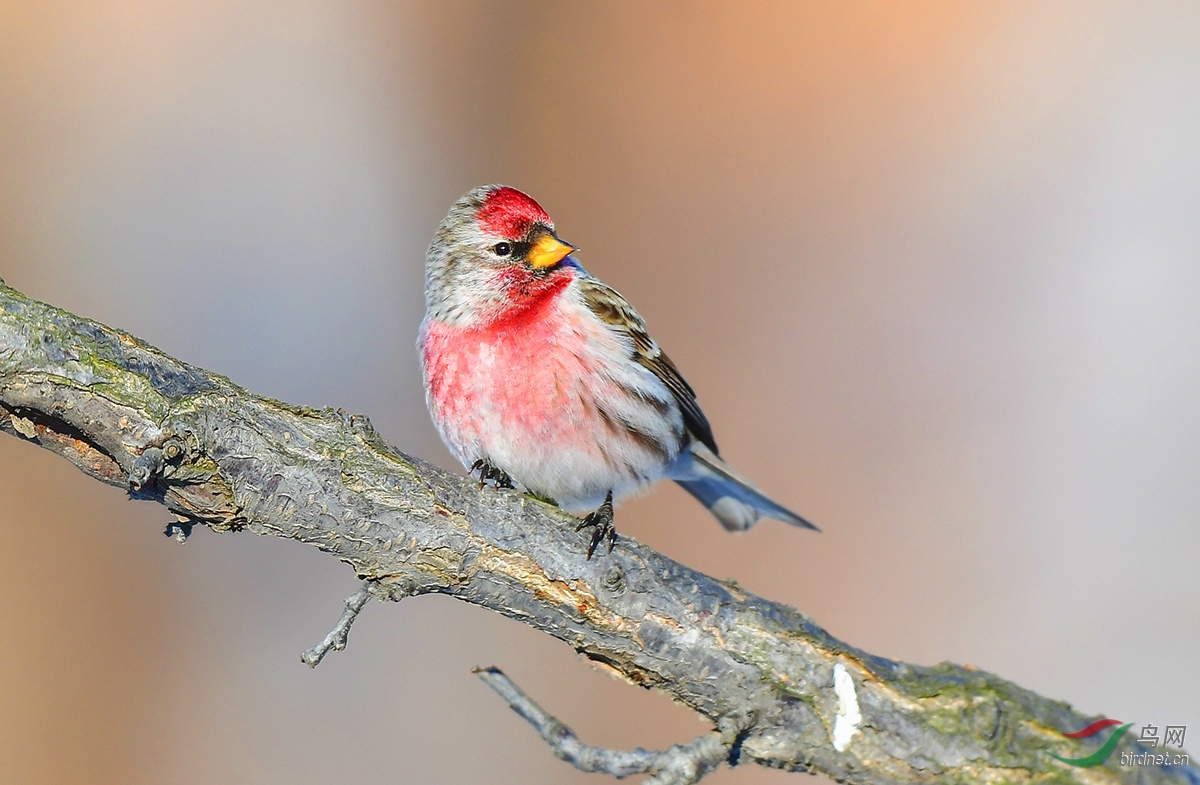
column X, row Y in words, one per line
column 933, row 268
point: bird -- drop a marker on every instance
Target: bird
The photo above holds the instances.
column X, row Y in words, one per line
column 541, row 376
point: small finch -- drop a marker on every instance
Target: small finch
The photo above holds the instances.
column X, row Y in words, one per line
column 539, row 374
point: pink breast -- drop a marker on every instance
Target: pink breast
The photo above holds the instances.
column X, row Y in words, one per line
column 522, row 379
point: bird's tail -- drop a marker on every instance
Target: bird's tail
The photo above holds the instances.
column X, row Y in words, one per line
column 729, row 496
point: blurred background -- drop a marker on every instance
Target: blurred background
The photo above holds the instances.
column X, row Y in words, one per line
column 932, row 267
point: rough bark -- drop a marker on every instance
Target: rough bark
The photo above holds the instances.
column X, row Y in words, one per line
column 761, row 672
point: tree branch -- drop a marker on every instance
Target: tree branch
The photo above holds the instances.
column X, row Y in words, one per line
column 682, row 764
column 336, row 639
column 779, row 690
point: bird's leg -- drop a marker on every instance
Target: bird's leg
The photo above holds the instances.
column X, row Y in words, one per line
column 489, row 473
column 601, row 522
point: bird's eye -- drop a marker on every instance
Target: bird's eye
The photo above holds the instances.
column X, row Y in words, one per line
column 502, row 249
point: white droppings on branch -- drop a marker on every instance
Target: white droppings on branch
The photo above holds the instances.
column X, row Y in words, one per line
column 848, row 716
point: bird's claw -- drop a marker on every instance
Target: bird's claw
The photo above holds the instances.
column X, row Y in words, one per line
column 488, row 473
column 601, row 523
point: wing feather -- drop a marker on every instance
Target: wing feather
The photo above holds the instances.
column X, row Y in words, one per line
column 613, row 309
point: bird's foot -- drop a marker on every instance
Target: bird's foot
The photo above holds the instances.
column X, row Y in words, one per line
column 488, row 473
column 601, row 523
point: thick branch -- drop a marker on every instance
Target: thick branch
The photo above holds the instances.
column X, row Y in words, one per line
column 762, row 673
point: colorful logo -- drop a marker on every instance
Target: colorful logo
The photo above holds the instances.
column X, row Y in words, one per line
column 1102, row 754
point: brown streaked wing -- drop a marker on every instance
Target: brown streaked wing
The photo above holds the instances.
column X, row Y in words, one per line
column 615, row 310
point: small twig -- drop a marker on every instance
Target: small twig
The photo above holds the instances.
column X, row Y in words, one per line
column 681, row 764
column 336, row 639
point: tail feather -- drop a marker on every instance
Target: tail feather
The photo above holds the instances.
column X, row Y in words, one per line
column 729, row 496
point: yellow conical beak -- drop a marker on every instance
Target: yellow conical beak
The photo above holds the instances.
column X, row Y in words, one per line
column 549, row 251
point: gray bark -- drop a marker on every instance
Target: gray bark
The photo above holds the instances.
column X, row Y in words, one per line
column 762, row 673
